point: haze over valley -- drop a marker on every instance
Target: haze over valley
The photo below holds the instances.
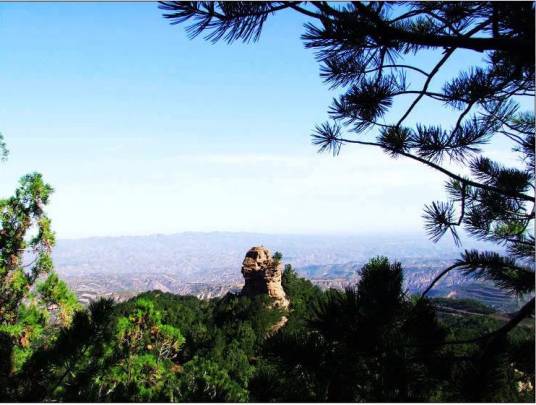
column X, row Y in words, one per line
column 208, row 264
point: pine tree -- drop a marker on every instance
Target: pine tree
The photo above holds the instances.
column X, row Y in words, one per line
column 365, row 51
column 139, row 360
column 33, row 300
column 36, row 307
column 369, row 343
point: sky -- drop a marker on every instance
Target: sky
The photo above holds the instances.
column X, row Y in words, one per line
column 141, row 130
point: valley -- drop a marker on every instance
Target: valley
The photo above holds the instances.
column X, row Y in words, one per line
column 207, row 265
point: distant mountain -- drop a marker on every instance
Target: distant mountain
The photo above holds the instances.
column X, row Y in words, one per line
column 194, row 256
column 208, row 264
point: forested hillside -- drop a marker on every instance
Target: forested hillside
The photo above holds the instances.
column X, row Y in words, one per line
column 369, row 343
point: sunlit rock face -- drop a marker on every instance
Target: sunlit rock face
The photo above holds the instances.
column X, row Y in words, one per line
column 262, row 275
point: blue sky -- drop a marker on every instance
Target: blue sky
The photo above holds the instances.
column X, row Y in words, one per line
column 141, row 130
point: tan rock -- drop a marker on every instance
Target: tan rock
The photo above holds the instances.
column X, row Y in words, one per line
column 262, row 275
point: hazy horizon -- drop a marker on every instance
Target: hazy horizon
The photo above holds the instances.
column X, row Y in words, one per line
column 447, row 240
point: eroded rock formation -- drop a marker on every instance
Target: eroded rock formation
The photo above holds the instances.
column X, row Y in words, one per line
column 262, row 275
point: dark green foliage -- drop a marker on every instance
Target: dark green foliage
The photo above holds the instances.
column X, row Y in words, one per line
column 504, row 271
column 232, row 308
column 371, row 343
column 189, row 314
column 6, row 350
column 148, row 357
column 141, row 356
column 203, row 380
column 498, row 370
column 50, row 370
column 302, row 295
column 367, row 343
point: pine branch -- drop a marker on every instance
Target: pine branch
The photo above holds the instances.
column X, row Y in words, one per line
column 439, row 277
column 446, row 23
column 237, row 20
column 489, row 265
column 294, row 6
column 435, row 166
column 434, row 71
column 457, row 126
column 440, row 219
column 399, row 66
column 503, row 271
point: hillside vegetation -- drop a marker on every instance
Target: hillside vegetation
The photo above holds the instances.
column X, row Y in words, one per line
column 368, row 343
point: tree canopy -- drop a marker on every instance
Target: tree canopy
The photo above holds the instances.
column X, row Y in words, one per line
column 33, row 300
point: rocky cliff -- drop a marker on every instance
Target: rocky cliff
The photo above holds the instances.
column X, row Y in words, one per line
column 262, row 275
